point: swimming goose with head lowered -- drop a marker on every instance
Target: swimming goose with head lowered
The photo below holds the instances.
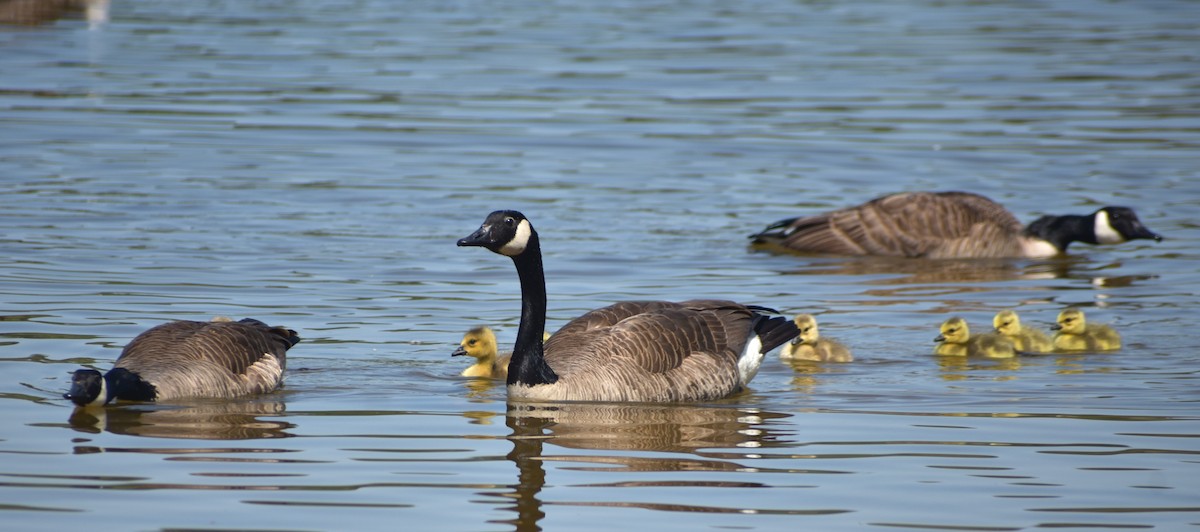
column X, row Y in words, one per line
column 220, row 358
column 948, row 225
column 645, row 351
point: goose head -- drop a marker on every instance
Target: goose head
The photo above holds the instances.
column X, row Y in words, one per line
column 88, row 388
column 1114, row 225
column 479, row 342
column 1070, row 321
column 1007, row 323
column 508, row 233
column 953, row 331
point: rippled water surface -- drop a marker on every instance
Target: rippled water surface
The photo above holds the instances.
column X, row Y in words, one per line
column 311, row 164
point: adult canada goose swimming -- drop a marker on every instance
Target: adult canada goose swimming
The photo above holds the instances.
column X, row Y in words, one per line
column 220, row 358
column 810, row 345
column 948, row 225
column 1076, row 334
column 956, row 340
column 650, row 351
column 1024, row 338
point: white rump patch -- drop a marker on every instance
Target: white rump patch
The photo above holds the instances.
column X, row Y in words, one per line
column 516, row 246
column 266, row 371
column 750, row 360
column 1105, row 234
column 1036, row 248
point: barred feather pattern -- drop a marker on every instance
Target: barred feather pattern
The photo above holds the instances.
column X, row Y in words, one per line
column 220, row 359
column 653, row 351
column 911, row 224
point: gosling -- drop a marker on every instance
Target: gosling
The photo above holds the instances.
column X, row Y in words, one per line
column 811, row 346
column 480, row 342
column 1076, row 334
column 956, row 340
column 1025, row 339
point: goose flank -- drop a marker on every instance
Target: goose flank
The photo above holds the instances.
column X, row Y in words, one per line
column 647, row 351
column 220, row 358
column 948, row 225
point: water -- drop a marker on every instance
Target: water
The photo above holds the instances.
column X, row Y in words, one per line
column 312, row 163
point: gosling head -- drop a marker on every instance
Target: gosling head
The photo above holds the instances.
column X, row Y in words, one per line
column 1007, row 323
column 479, row 342
column 1120, row 224
column 953, row 331
column 88, row 388
column 1070, row 321
column 508, row 233
column 808, row 329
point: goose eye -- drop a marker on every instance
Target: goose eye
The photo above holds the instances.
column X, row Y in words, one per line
column 509, row 221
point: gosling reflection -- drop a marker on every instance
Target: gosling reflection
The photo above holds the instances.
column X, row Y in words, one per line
column 202, row 421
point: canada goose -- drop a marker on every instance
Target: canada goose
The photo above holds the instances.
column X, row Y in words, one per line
column 219, row 358
column 1025, row 339
column 1076, row 334
column 650, row 351
column 480, row 342
column 810, row 345
column 956, row 340
column 948, row 225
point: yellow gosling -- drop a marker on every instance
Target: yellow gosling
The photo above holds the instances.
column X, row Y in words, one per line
column 811, row 346
column 1076, row 334
column 480, row 343
column 1025, row 339
column 956, row 340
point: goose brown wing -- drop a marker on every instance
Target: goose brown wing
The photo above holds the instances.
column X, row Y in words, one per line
column 911, row 224
column 650, row 336
column 234, row 346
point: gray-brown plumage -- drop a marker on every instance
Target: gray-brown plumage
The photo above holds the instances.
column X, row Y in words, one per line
column 220, row 358
column 942, row 225
column 650, row 351
column 34, row 12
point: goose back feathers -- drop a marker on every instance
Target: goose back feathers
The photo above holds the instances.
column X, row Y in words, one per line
column 652, row 351
column 220, row 359
column 944, row 225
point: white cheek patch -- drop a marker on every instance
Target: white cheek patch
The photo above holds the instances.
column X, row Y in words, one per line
column 516, row 246
column 1105, row 233
column 102, row 398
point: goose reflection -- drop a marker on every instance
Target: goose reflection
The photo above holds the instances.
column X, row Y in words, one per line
column 199, row 421
column 900, row 271
column 622, row 427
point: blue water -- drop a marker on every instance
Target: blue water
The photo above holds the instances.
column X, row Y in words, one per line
column 311, row 164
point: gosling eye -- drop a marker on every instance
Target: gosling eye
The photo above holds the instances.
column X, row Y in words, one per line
column 472, row 343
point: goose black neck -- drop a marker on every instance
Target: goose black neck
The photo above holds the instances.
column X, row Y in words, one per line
column 127, row 385
column 528, row 365
column 1062, row 230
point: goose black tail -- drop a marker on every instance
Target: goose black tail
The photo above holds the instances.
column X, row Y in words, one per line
column 774, row 331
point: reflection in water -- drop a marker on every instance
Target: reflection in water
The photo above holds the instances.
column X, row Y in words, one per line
column 623, row 427
column 902, row 271
column 209, row 421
